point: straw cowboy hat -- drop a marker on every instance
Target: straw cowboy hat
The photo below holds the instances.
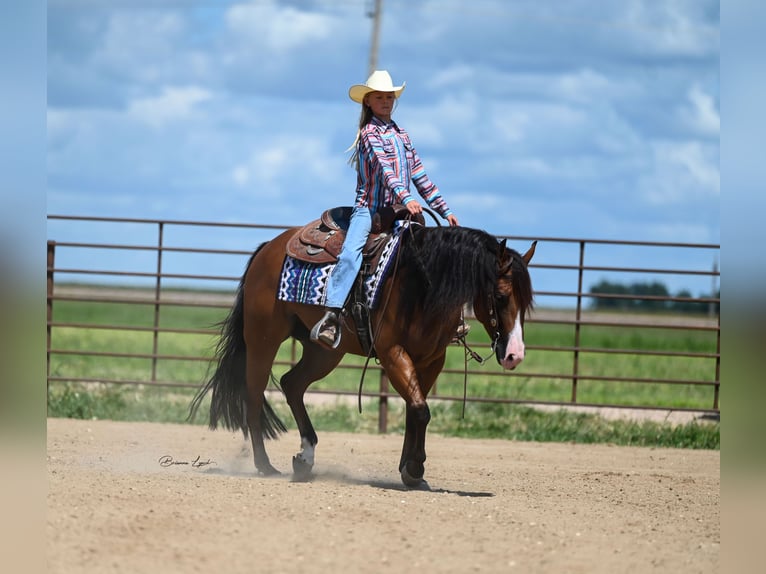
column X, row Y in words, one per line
column 379, row 81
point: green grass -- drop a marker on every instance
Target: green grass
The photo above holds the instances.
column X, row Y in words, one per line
column 512, row 422
column 154, row 402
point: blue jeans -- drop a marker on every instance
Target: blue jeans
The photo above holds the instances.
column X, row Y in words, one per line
column 349, row 259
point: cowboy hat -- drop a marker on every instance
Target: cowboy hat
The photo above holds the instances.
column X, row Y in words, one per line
column 379, row 81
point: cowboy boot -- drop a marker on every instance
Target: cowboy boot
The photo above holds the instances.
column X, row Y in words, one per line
column 327, row 330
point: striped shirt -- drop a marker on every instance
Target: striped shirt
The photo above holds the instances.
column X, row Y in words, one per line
column 387, row 164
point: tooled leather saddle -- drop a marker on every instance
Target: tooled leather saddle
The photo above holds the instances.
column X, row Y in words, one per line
column 321, row 240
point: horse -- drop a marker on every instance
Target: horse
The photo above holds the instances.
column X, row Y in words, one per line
column 438, row 270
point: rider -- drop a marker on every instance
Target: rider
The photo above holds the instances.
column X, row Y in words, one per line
column 385, row 163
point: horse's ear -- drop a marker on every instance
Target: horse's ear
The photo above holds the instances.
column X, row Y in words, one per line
column 504, row 260
column 527, row 257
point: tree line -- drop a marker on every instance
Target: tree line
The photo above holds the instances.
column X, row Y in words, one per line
column 658, row 301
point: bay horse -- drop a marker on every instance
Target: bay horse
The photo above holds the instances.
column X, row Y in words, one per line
column 438, row 271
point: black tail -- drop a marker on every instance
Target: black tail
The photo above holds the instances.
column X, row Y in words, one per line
column 228, row 404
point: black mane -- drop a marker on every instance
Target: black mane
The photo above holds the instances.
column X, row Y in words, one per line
column 449, row 266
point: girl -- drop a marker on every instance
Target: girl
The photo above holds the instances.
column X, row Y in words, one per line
column 385, row 162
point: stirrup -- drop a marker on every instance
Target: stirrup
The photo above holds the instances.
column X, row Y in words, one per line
column 319, row 332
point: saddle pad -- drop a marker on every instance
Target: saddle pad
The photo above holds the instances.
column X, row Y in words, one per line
column 302, row 282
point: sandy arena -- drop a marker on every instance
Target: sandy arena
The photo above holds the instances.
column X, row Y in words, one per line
column 116, row 505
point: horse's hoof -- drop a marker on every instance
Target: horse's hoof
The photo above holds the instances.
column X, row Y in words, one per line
column 301, row 470
column 268, row 471
column 409, row 480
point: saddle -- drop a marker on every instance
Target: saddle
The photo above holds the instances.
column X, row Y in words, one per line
column 321, row 240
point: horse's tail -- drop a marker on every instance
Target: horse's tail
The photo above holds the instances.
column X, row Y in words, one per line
column 228, row 405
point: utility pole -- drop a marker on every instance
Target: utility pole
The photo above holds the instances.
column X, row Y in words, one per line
column 375, row 15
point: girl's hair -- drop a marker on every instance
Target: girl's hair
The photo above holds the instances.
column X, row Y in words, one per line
column 364, row 118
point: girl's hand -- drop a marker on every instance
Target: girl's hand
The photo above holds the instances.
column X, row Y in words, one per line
column 452, row 220
column 414, row 207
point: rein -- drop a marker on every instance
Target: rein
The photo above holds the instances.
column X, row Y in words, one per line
column 469, row 352
column 376, row 331
column 495, row 340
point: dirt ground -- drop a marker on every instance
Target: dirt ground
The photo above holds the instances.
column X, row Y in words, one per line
column 493, row 505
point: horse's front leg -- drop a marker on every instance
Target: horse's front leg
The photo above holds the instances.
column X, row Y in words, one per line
column 414, row 450
column 412, row 462
column 404, row 378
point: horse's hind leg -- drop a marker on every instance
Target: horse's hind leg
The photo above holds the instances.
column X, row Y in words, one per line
column 315, row 363
column 258, row 372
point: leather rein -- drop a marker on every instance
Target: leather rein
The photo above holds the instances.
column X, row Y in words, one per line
column 469, row 352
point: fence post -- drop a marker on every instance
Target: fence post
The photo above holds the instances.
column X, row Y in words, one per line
column 717, row 365
column 383, row 403
column 711, row 305
column 49, row 304
column 157, row 293
column 578, row 318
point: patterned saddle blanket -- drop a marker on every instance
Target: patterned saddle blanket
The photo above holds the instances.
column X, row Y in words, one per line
column 306, row 282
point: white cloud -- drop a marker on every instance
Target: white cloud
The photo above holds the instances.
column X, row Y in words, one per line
column 530, row 167
column 702, row 115
column 175, row 103
column 585, row 100
column 287, row 163
column 685, row 172
column 677, row 231
column 240, row 175
column 454, row 77
column 275, row 28
column 584, row 85
column 434, row 125
column 671, row 27
column 140, row 42
column 61, row 128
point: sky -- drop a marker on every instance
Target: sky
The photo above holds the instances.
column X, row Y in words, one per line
column 539, row 119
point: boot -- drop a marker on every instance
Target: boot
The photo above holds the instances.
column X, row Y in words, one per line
column 327, row 331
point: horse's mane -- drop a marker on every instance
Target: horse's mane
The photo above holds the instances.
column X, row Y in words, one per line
column 445, row 267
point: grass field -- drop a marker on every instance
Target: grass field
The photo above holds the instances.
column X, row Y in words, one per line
column 152, row 402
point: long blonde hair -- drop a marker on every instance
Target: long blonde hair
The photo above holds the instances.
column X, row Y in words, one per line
column 364, row 118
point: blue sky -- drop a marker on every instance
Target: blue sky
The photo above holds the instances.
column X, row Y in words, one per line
column 590, row 119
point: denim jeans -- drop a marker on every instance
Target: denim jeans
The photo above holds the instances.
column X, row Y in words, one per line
column 350, row 258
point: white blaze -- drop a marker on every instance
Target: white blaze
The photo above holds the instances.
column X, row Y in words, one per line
column 514, row 350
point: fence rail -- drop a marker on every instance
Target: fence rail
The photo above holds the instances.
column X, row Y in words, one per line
column 78, row 254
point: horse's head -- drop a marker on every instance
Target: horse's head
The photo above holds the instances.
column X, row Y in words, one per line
column 503, row 312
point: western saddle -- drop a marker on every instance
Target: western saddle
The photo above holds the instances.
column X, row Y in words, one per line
column 321, row 240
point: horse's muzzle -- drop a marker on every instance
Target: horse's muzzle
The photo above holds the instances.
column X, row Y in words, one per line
column 510, row 354
column 511, row 362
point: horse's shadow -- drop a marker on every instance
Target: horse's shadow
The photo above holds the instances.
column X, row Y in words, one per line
column 397, row 486
column 425, row 487
column 330, row 476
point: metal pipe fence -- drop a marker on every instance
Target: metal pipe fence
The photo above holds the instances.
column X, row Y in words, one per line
column 96, row 261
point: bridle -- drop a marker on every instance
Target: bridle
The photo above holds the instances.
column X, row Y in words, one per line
column 469, row 352
column 493, row 321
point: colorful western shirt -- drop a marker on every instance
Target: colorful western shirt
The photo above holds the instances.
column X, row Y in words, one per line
column 387, row 163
